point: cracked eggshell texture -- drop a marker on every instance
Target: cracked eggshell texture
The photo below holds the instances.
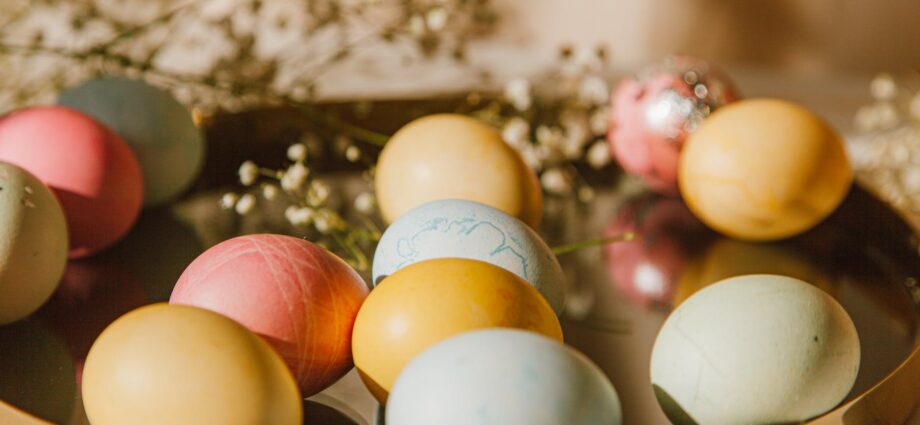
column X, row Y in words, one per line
column 180, row 365
column 432, row 300
column 296, row 295
column 466, row 229
column 33, row 243
column 502, row 376
column 763, row 169
column 91, row 170
column 755, row 349
column 451, row 156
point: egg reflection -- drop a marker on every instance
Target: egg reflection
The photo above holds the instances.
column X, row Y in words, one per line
column 648, row 268
column 93, row 293
column 727, row 258
column 36, row 372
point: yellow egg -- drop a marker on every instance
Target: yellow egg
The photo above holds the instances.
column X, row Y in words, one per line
column 432, row 300
column 450, row 156
column 178, row 365
column 763, row 169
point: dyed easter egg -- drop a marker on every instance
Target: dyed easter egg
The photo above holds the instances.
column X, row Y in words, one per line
column 432, row 300
column 296, row 295
column 654, row 112
column 37, row 374
column 754, row 349
column 449, row 156
column 33, row 243
column 160, row 131
column 764, row 169
column 502, row 376
column 91, row 170
column 169, row 364
column 467, row 229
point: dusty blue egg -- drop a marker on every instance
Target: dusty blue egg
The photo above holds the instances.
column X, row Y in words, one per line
column 160, row 131
column 502, row 376
column 454, row 228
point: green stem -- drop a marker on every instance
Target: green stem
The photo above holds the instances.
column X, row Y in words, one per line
column 359, row 133
column 578, row 246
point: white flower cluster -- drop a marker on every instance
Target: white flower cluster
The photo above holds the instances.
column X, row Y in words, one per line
column 577, row 131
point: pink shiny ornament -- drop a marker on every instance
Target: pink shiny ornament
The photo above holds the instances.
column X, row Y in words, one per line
column 299, row 297
column 90, row 169
column 667, row 235
column 655, row 111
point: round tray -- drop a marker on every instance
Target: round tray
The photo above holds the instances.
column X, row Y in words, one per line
column 865, row 255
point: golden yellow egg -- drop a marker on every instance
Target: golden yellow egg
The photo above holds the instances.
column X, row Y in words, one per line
column 432, row 300
column 727, row 258
column 449, row 156
column 763, row 169
column 178, row 365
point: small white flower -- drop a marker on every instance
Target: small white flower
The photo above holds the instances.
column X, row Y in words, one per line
column 228, row 200
column 364, row 202
column 297, row 152
column 249, row 173
column 600, row 121
column 517, row 91
column 585, row 193
column 516, row 131
column 269, row 192
column 598, row 155
column 246, row 204
column 593, row 90
column 322, row 224
column 353, row 153
column 436, row 18
column 318, row 193
column 298, row 216
column 295, row 177
column 883, row 87
column 529, row 153
column 555, row 181
column 915, row 106
column 549, row 136
column 416, row 25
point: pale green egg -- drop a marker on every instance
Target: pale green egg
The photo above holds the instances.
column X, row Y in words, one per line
column 33, row 243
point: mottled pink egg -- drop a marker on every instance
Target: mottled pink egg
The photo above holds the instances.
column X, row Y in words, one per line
column 654, row 112
column 648, row 268
column 91, row 170
column 299, row 297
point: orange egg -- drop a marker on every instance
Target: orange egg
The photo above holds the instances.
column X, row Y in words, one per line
column 450, row 156
column 432, row 300
column 763, row 169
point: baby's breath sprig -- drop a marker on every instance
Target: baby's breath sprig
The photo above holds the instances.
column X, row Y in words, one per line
column 558, row 120
column 308, row 211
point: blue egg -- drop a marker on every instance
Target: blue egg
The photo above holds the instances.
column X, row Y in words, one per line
column 160, row 131
column 502, row 376
column 454, row 228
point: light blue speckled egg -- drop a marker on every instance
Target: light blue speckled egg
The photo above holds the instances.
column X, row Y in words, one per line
column 502, row 376
column 160, row 131
column 466, row 229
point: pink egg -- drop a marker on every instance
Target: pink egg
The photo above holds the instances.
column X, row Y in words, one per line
column 91, row 170
column 654, row 112
column 648, row 268
column 301, row 298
